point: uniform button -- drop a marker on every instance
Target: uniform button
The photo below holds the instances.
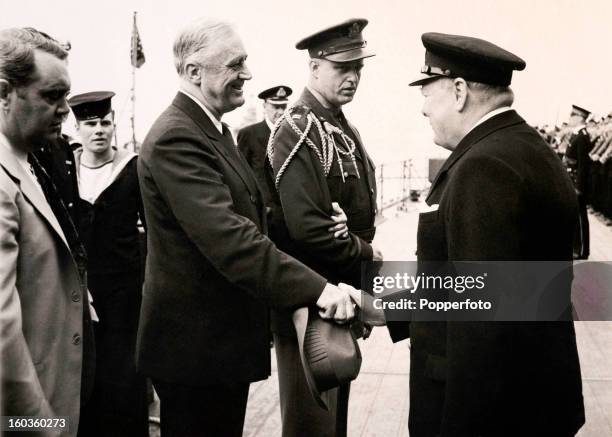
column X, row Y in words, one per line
column 76, row 339
column 76, row 297
column 375, row 211
column 345, row 173
column 372, row 190
column 252, row 198
column 70, row 205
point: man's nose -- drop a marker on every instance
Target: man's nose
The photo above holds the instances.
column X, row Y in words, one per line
column 245, row 74
column 63, row 108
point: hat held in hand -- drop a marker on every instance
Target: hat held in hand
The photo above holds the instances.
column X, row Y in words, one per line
column 329, row 352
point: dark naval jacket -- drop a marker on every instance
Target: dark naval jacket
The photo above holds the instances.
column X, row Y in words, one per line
column 252, row 143
column 502, row 195
column 108, row 226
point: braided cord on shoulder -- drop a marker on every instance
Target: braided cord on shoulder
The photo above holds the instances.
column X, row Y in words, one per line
column 324, row 155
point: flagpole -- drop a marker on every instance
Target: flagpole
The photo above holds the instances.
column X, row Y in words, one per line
column 133, row 95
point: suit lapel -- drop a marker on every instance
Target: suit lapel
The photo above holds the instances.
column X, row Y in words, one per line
column 221, row 144
column 30, row 192
column 499, row 121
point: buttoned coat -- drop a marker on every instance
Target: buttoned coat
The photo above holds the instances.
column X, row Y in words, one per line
column 210, row 272
column 41, row 304
column 502, row 195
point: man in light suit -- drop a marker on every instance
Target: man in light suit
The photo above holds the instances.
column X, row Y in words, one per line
column 211, row 272
column 42, row 279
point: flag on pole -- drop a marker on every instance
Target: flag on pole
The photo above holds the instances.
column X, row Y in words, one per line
column 136, row 52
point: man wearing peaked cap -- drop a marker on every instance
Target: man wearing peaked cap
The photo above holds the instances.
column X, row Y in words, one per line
column 578, row 163
column 330, row 166
column 253, row 139
column 469, row 58
column 502, row 195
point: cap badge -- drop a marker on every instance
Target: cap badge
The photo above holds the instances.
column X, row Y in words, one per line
column 354, row 30
column 281, row 92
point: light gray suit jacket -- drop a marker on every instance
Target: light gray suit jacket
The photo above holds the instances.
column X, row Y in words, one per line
column 41, row 304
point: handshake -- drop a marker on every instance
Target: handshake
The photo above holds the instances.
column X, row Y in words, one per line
column 338, row 303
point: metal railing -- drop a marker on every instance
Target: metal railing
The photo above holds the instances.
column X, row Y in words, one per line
column 401, row 182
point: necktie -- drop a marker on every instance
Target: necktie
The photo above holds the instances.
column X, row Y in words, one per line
column 80, row 257
column 60, row 212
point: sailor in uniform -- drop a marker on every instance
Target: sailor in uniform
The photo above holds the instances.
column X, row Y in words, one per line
column 111, row 208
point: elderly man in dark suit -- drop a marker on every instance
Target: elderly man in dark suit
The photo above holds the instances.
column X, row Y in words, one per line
column 211, row 272
column 502, row 195
column 45, row 323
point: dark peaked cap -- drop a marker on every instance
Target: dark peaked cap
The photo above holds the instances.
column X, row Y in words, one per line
column 277, row 95
column 96, row 104
column 577, row 110
column 470, row 58
column 339, row 43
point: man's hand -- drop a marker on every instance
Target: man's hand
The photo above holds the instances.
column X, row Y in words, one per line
column 369, row 314
column 340, row 229
column 376, row 253
column 336, row 304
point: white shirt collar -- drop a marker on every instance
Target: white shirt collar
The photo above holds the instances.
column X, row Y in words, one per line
column 216, row 122
column 491, row 114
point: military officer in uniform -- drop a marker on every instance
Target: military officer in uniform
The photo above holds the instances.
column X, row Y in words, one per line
column 318, row 158
column 578, row 163
column 253, row 139
column 253, row 142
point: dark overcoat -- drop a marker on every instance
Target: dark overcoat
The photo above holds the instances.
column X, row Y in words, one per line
column 502, row 195
column 252, row 143
column 210, row 272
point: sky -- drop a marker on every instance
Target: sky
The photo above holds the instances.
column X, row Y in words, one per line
column 565, row 43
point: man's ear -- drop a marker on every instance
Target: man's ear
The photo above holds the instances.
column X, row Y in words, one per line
column 5, row 94
column 194, row 73
column 314, row 68
column 460, row 90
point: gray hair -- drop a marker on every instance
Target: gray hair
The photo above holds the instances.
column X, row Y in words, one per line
column 197, row 40
column 496, row 94
column 17, row 48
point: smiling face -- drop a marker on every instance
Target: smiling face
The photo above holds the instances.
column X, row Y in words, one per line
column 337, row 82
column 96, row 134
column 224, row 74
column 36, row 111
